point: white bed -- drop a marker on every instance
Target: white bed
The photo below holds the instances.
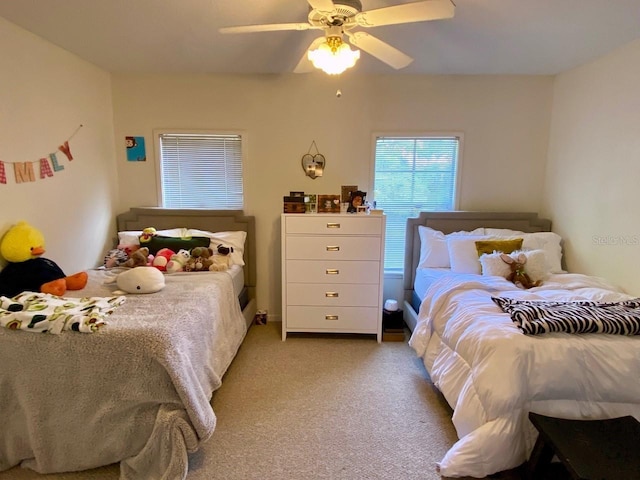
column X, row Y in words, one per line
column 490, row 373
column 138, row 390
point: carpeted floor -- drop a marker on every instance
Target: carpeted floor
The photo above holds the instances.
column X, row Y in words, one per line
column 317, row 407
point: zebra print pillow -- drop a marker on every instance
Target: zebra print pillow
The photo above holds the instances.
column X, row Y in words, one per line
column 537, row 317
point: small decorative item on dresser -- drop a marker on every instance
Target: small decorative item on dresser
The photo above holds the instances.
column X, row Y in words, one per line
column 345, row 192
column 328, row 203
column 293, row 204
column 310, row 204
column 356, row 200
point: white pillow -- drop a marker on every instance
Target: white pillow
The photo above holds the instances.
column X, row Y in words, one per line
column 493, row 265
column 547, row 241
column 501, row 232
column 463, row 254
column 233, row 239
column 132, row 237
column 535, row 267
column 434, row 252
column 550, row 243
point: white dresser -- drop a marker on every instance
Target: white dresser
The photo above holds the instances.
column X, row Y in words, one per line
column 332, row 272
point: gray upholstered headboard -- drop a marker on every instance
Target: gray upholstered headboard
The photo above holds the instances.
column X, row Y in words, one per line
column 448, row 222
column 138, row 218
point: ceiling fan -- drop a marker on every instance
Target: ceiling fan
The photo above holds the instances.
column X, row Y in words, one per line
column 339, row 17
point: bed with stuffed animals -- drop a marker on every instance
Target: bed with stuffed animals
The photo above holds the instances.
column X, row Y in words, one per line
column 134, row 389
column 567, row 347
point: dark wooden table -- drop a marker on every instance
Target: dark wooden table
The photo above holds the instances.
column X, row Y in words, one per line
column 589, row 449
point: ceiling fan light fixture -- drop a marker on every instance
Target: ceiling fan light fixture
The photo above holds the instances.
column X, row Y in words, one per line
column 333, row 56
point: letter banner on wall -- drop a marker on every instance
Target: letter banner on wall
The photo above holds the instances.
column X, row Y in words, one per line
column 48, row 165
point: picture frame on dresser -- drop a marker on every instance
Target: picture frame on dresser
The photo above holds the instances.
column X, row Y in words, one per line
column 328, row 203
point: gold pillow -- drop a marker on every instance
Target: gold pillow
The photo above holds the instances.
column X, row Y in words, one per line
column 504, row 246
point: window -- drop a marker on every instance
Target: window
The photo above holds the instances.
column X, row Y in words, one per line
column 413, row 174
column 200, row 170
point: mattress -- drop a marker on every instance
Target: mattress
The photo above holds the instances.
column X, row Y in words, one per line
column 425, row 277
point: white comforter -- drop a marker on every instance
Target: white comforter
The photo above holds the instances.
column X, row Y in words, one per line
column 492, row 375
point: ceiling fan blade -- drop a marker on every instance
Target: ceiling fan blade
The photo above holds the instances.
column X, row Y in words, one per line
column 379, row 49
column 272, row 27
column 322, row 5
column 305, row 65
column 407, row 13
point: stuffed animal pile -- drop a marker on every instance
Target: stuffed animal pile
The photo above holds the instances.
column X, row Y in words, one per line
column 22, row 247
column 199, row 259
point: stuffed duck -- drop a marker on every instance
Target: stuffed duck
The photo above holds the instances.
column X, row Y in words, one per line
column 22, row 247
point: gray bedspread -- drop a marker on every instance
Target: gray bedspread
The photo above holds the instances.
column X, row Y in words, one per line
column 136, row 392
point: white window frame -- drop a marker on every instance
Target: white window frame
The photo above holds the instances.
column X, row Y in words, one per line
column 157, row 133
column 428, row 134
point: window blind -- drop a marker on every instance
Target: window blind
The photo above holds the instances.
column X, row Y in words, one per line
column 412, row 174
column 201, row 171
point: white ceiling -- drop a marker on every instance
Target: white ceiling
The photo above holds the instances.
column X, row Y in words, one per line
column 180, row 36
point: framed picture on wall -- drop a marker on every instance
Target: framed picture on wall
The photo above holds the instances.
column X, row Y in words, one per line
column 328, row 203
column 135, row 149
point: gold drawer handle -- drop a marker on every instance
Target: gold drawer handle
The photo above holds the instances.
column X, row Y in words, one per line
column 331, row 294
column 331, row 317
column 333, row 225
column 332, row 271
column 333, row 248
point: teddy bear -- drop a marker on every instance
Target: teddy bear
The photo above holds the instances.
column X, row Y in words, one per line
column 22, row 247
column 200, row 259
column 138, row 258
column 178, row 261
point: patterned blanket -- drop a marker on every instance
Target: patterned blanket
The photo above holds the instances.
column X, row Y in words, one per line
column 45, row 313
column 537, row 317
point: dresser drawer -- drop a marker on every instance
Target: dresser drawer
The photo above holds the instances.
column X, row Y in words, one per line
column 333, row 319
column 333, row 271
column 332, row 294
column 304, row 247
column 322, row 224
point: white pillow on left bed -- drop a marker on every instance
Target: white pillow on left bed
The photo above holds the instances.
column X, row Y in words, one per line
column 233, row 239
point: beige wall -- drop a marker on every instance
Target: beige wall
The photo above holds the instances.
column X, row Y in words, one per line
column 504, row 120
column 46, row 94
column 592, row 181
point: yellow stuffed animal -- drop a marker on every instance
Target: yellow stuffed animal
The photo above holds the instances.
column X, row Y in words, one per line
column 22, row 246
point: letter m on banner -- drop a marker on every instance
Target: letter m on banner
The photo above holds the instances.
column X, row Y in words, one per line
column 24, row 172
